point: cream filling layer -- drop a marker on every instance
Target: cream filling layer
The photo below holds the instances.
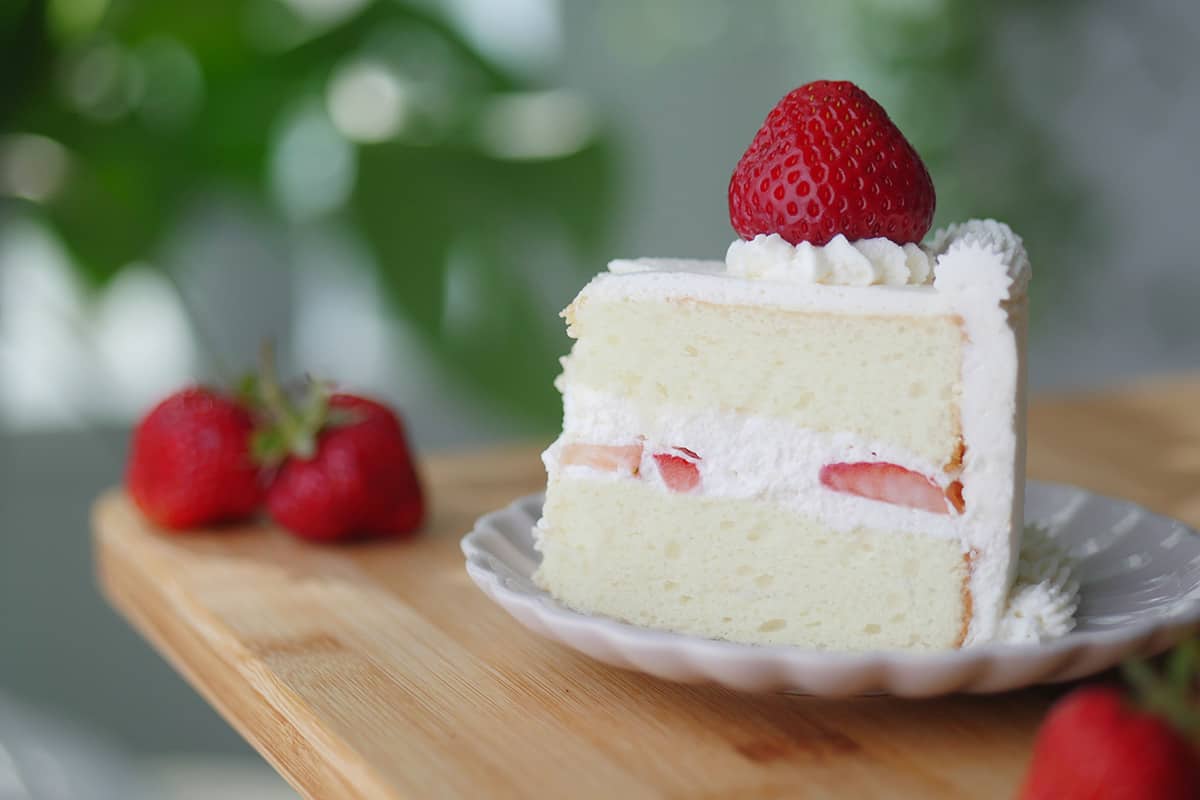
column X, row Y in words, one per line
column 749, row 456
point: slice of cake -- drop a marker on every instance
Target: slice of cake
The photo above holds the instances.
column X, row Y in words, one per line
column 818, row 441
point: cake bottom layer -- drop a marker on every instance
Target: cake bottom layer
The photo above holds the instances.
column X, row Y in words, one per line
column 747, row 571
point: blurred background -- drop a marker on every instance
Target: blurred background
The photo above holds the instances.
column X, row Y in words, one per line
column 403, row 194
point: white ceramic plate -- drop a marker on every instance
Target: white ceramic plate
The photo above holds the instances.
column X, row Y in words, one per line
column 1139, row 575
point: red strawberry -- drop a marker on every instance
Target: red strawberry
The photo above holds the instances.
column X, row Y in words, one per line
column 889, row 483
column 828, row 160
column 1093, row 745
column 190, row 464
column 679, row 469
column 358, row 480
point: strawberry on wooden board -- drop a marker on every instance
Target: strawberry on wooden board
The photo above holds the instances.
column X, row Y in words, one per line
column 343, row 467
column 829, row 160
column 190, row 462
column 1098, row 744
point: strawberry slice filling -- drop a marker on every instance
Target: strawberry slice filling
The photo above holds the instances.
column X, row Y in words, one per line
column 603, row 457
column 679, row 469
column 891, row 483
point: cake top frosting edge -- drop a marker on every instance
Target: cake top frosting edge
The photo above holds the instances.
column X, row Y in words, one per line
column 956, row 258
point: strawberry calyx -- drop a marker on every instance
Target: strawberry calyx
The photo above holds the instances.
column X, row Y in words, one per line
column 289, row 421
column 1172, row 692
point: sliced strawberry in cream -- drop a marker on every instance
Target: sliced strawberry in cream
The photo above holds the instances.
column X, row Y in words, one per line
column 890, row 483
column 679, row 469
column 603, row 457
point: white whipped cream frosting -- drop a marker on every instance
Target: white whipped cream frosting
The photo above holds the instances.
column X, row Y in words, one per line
column 784, row 471
column 981, row 237
column 1043, row 601
column 882, row 262
column 866, row 262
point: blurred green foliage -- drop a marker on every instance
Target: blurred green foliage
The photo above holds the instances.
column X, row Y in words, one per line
column 157, row 103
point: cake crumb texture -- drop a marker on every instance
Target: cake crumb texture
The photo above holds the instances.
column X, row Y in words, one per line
column 747, row 571
column 894, row 379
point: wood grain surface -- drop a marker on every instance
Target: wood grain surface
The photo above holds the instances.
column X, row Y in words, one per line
column 379, row 671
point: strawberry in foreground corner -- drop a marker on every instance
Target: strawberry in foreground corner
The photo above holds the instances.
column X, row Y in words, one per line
column 1097, row 744
column 190, row 463
column 343, row 468
column 829, row 160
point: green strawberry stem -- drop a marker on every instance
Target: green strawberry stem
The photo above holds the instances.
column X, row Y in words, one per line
column 289, row 426
column 288, row 430
column 1171, row 694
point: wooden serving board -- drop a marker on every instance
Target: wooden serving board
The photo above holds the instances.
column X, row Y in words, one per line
column 380, row 671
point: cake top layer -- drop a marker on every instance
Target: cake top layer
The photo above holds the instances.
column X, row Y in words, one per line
column 978, row 255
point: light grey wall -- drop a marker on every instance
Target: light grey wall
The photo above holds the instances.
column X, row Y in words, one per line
column 1122, row 98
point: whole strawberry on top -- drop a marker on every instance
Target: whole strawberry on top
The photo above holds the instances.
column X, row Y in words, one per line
column 343, row 465
column 829, row 160
column 1098, row 744
column 190, row 463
